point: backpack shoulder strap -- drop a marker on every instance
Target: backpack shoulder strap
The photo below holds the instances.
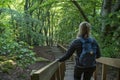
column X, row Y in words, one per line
column 93, row 42
column 82, row 40
column 91, row 39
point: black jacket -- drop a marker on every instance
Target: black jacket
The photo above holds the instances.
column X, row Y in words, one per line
column 76, row 45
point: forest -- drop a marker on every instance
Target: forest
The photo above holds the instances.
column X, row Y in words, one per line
column 25, row 24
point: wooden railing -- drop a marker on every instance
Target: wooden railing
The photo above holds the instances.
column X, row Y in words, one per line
column 105, row 62
column 109, row 62
column 53, row 71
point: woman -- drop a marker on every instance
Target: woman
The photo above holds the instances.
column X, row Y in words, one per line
column 76, row 45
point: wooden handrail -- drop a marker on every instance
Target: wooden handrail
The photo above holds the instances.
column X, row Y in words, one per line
column 52, row 71
column 62, row 47
column 109, row 61
column 105, row 62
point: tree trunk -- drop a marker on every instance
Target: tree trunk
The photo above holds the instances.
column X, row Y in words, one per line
column 26, row 7
column 80, row 10
column 107, row 8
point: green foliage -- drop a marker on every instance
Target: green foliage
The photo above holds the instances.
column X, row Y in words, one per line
column 23, row 56
column 110, row 47
column 19, row 51
column 7, row 65
column 111, row 42
column 68, row 22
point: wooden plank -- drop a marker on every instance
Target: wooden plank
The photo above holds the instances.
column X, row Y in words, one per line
column 62, row 71
column 34, row 77
column 95, row 75
column 118, row 74
column 53, row 77
column 64, row 66
column 58, row 74
column 59, row 45
column 109, row 61
column 69, row 73
column 46, row 72
column 103, row 72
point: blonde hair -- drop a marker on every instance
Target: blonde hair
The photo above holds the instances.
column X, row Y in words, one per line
column 84, row 29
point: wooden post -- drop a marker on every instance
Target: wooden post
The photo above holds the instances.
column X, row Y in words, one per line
column 95, row 73
column 64, row 66
column 119, row 74
column 62, row 70
column 53, row 77
column 35, row 77
column 58, row 74
column 103, row 72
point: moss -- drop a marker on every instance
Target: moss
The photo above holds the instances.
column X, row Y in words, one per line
column 3, row 58
column 13, row 58
column 6, row 66
column 5, row 69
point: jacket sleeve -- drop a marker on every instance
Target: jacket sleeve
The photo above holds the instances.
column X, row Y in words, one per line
column 69, row 52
